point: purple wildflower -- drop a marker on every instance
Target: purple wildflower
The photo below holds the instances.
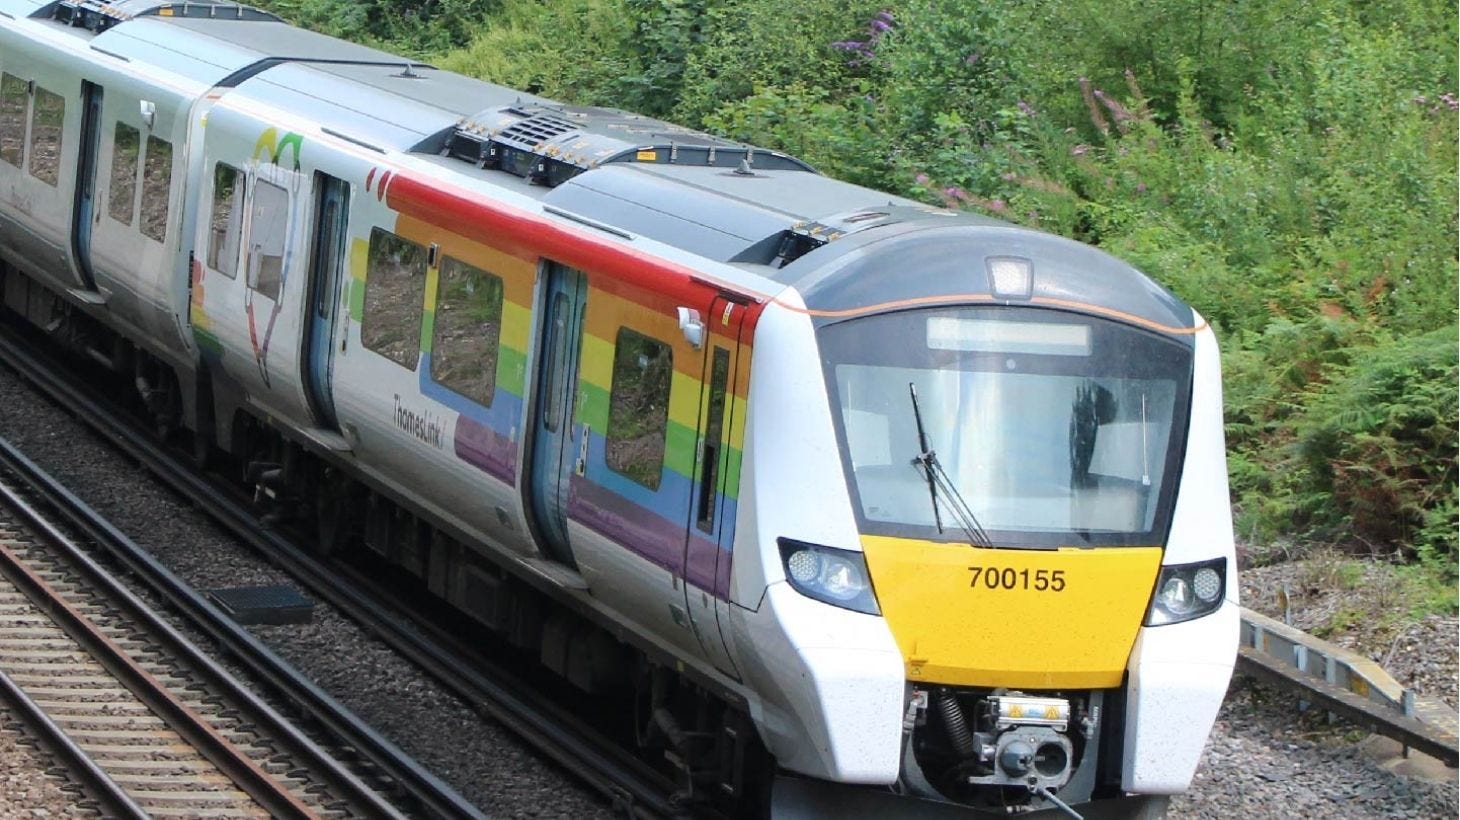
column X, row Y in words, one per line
column 922, row 179
column 1140, row 187
column 1026, row 108
column 972, row 59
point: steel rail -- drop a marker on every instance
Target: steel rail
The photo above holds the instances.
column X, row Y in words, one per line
column 628, row 783
column 434, row 797
column 237, row 766
column 113, row 799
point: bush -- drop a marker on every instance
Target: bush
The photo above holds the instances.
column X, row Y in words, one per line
column 1287, row 167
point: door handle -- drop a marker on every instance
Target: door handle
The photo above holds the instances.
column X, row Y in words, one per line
column 581, row 465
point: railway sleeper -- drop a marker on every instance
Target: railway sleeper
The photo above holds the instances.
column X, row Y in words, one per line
column 708, row 745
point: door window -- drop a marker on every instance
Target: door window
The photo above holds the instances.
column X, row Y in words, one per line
column 714, row 434
column 269, row 229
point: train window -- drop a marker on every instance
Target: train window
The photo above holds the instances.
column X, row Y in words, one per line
column 468, row 328
column 14, row 95
column 46, row 118
column 395, row 290
column 266, row 239
column 126, row 150
column 638, row 407
column 552, row 408
column 227, row 220
column 156, row 188
column 714, row 434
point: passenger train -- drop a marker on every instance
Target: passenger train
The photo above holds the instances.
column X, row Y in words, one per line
column 925, row 511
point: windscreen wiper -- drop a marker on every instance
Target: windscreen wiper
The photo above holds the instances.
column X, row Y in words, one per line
column 938, row 480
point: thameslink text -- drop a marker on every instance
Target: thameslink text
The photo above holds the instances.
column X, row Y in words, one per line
column 422, row 425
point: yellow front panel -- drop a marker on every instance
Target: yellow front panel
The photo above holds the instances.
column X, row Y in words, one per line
column 1026, row 618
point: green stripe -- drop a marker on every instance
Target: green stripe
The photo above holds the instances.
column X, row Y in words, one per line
column 679, row 450
column 428, row 330
column 511, row 371
column 593, row 408
column 356, row 295
column 680, row 440
column 207, row 341
column 731, row 480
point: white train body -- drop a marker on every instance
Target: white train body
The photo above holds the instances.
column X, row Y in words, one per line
column 938, row 505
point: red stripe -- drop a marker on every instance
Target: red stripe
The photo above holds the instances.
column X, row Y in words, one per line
column 523, row 233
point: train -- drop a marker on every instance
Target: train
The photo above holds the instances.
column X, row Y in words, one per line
column 907, row 510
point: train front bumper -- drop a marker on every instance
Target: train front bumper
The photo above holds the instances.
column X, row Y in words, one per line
column 1176, row 680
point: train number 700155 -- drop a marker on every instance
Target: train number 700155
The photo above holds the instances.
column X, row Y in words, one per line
column 1039, row 580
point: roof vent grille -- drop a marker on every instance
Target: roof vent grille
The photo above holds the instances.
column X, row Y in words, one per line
column 99, row 15
column 537, row 130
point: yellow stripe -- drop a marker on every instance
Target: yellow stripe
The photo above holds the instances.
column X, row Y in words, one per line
column 596, row 366
column 608, row 312
column 684, row 400
column 516, row 326
column 955, row 630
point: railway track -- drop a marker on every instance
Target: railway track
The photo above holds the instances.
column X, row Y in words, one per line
column 492, row 689
column 627, row 784
column 148, row 725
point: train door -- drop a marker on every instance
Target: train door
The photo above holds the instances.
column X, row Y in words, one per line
column 83, row 211
column 711, row 521
column 555, row 452
column 326, row 272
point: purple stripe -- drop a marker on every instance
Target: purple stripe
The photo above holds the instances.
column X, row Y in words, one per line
column 722, row 577
column 648, row 535
column 483, row 447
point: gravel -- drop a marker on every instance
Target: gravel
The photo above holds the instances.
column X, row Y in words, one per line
column 1262, row 760
column 1265, row 759
column 478, row 757
column 25, row 789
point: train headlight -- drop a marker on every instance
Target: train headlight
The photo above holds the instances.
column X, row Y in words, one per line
column 833, row 576
column 1187, row 591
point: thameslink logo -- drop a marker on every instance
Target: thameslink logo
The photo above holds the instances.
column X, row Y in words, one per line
column 422, row 425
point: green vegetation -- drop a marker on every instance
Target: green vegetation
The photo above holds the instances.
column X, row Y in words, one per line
column 1288, row 167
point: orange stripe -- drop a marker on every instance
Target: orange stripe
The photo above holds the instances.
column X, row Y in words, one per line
column 963, row 298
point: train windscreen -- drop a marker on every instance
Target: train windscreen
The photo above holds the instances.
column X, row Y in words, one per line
column 1010, row 427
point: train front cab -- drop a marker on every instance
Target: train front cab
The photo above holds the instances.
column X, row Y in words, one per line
column 1040, row 501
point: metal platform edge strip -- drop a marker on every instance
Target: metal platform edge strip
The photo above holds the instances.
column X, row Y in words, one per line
column 1346, row 683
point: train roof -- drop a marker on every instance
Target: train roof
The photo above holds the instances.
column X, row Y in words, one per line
column 763, row 211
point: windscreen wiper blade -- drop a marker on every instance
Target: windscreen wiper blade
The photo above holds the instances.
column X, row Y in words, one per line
column 938, row 481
